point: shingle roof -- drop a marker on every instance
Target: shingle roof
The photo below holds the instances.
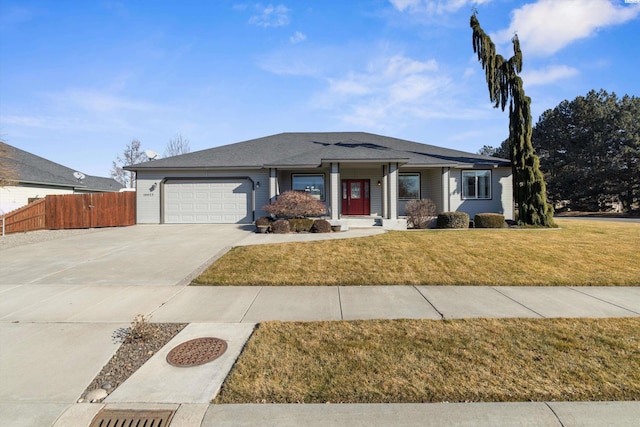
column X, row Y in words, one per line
column 311, row 149
column 25, row 167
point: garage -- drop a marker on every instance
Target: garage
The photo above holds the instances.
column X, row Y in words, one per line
column 208, row 201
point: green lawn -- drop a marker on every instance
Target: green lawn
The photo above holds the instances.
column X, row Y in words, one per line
column 578, row 253
column 491, row 360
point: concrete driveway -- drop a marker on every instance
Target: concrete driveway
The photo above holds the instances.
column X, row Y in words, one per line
column 151, row 255
column 61, row 301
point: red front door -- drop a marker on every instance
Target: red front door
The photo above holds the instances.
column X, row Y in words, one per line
column 355, row 197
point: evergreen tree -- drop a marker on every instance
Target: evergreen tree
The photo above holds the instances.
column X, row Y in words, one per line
column 505, row 87
column 590, row 151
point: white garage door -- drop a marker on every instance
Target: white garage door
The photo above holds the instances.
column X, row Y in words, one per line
column 207, row 202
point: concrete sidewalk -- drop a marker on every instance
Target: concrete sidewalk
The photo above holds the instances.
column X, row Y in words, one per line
column 248, row 304
column 534, row 414
column 257, row 304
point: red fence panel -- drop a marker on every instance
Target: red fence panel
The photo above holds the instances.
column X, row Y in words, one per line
column 113, row 209
column 58, row 212
column 26, row 218
column 68, row 211
column 91, row 210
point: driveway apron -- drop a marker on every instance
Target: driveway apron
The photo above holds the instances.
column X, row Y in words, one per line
column 62, row 300
column 139, row 255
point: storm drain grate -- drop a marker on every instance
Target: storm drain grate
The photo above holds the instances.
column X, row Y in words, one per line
column 132, row 418
column 196, row 352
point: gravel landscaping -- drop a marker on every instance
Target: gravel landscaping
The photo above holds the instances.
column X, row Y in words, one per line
column 132, row 354
column 19, row 239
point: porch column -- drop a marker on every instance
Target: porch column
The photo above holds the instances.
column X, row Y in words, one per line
column 336, row 189
column 446, row 207
column 384, row 190
column 393, row 191
column 273, row 184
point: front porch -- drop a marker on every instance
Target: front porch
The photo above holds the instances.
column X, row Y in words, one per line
column 361, row 195
column 374, row 193
column 354, row 222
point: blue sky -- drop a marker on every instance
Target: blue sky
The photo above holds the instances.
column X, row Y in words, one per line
column 81, row 79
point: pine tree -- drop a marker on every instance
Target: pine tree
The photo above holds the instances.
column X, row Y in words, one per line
column 505, row 87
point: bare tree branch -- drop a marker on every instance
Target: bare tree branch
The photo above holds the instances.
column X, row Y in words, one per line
column 130, row 156
column 176, row 146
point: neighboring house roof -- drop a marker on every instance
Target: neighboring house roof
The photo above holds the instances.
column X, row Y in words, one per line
column 311, row 149
column 26, row 168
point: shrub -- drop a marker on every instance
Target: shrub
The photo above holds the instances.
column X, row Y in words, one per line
column 420, row 212
column 263, row 220
column 453, row 220
column 280, row 226
column 321, row 226
column 489, row 220
column 300, row 225
column 296, row 204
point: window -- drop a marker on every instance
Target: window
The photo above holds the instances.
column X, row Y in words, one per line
column 312, row 184
column 476, row 184
column 409, row 186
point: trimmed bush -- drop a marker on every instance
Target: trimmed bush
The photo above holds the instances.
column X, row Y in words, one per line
column 489, row 220
column 280, row 226
column 321, row 226
column 263, row 220
column 300, row 225
column 420, row 213
column 453, row 220
column 296, row 204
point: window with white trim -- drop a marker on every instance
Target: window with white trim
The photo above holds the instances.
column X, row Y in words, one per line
column 311, row 184
column 476, row 184
column 409, row 186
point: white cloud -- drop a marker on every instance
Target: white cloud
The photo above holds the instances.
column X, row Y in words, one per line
column 399, row 65
column 100, row 102
column 288, row 63
column 434, row 7
column 270, row 16
column 350, row 85
column 547, row 26
column 548, row 75
column 389, row 91
column 297, row 37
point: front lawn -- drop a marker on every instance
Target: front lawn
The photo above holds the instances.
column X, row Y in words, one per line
column 579, row 253
column 487, row 360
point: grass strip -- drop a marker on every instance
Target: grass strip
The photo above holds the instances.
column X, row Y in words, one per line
column 478, row 360
column 581, row 253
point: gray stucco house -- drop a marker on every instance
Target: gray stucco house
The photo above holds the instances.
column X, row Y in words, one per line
column 364, row 179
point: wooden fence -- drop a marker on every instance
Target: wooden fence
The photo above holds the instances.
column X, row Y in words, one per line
column 26, row 218
column 90, row 210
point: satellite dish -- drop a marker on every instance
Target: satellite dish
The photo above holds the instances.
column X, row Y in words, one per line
column 152, row 155
column 79, row 176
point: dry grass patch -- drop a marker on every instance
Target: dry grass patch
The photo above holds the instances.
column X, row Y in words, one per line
column 435, row 361
column 580, row 253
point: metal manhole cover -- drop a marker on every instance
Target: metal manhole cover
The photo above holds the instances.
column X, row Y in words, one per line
column 196, row 352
